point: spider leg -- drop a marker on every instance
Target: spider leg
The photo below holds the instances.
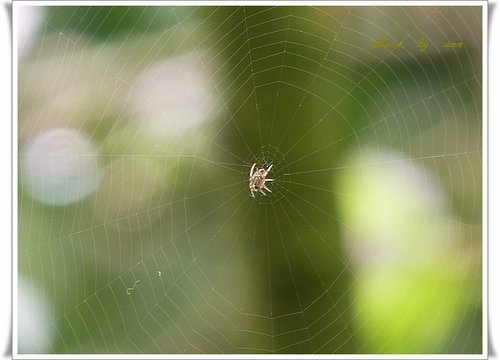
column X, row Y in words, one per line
column 252, row 194
column 251, row 170
column 269, row 180
column 265, row 187
column 262, row 192
column 269, row 168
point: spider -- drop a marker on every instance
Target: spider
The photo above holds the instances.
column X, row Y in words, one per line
column 257, row 180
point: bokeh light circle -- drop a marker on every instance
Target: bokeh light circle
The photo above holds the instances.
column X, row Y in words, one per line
column 59, row 167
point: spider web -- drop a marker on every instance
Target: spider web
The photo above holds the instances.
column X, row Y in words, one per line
column 167, row 252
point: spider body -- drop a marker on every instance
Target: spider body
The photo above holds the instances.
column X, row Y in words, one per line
column 257, row 180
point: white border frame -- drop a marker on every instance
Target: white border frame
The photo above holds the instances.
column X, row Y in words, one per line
column 485, row 175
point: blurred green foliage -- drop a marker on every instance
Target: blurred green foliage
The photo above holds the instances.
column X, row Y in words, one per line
column 110, row 23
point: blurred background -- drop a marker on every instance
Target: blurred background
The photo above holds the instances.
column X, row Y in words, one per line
column 137, row 130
